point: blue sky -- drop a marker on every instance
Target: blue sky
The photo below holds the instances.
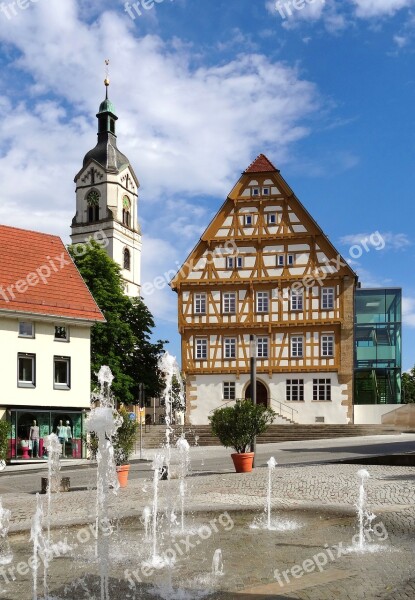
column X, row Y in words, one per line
column 201, row 87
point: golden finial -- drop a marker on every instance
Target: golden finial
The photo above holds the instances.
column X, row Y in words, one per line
column 107, row 72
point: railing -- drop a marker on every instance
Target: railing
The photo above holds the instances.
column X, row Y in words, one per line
column 288, row 409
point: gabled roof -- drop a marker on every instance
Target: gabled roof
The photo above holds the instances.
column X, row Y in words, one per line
column 38, row 276
column 261, row 165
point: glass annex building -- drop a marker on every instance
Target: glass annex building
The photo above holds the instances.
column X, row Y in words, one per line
column 378, row 346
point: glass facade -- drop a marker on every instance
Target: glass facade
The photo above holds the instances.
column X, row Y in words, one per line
column 378, row 346
column 67, row 424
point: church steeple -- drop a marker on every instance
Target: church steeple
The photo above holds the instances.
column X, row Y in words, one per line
column 106, row 118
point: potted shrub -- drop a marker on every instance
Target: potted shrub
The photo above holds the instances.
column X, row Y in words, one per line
column 236, row 427
column 123, row 443
column 4, row 441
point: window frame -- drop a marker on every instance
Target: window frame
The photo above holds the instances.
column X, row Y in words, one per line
column 266, row 191
column 126, row 264
column 290, row 260
column 325, row 291
column 248, row 220
column 225, row 299
column 230, row 345
column 297, row 342
column 200, row 297
column 294, row 386
column 203, row 345
column 26, row 384
column 61, row 339
column 22, row 335
column 280, row 263
column 324, row 340
column 265, row 296
column 256, row 193
column 67, row 385
column 274, row 215
column 297, row 300
column 261, row 343
column 229, row 389
column 322, row 387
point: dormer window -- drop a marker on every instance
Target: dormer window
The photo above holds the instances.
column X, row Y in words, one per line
column 126, row 212
column 93, row 206
column 127, row 259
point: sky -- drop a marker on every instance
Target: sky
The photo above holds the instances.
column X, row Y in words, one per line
column 326, row 89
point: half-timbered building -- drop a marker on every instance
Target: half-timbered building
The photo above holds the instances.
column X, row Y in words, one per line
column 264, row 267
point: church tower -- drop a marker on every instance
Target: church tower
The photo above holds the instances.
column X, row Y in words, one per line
column 106, row 200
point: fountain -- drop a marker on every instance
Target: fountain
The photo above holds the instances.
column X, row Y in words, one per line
column 364, row 517
column 103, row 422
column 37, row 537
column 157, row 465
column 217, row 564
column 146, row 521
column 271, row 468
column 6, row 555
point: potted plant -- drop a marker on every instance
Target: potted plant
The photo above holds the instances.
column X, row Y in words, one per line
column 236, row 427
column 123, row 443
column 4, row 441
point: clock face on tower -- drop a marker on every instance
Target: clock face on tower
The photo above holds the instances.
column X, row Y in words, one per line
column 126, row 203
column 93, row 198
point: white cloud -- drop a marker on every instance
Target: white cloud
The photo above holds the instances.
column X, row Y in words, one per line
column 379, row 8
column 408, row 311
column 377, row 240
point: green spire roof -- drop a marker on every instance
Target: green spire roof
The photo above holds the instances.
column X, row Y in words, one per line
column 106, row 106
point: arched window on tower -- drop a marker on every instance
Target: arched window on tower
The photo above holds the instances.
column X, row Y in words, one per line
column 127, row 259
column 93, row 206
column 126, row 212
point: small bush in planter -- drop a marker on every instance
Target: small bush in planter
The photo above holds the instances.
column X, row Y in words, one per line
column 236, row 426
column 124, row 439
column 4, row 439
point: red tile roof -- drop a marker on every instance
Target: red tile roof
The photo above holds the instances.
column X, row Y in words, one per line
column 38, row 276
column 261, row 165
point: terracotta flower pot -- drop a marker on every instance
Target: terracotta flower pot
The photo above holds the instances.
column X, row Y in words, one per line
column 122, row 472
column 243, row 462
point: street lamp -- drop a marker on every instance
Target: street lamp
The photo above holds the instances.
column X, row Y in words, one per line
column 253, row 355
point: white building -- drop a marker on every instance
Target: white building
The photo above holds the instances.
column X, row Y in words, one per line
column 106, row 200
column 46, row 315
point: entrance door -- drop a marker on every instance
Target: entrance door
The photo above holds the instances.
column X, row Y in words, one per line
column 261, row 393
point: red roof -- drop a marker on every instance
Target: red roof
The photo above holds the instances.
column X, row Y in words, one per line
column 38, row 276
column 261, row 165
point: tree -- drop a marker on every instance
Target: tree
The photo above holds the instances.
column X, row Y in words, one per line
column 178, row 394
column 408, row 386
column 124, row 341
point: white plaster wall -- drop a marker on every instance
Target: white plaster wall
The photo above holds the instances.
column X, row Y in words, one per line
column 45, row 348
column 210, row 391
column 371, row 414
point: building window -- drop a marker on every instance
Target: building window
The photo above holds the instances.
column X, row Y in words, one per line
column 127, row 259
column 262, row 347
column 201, row 348
column 322, row 390
column 61, row 333
column 262, row 302
column 280, row 260
column 296, row 299
column 295, row 390
column 290, row 260
column 327, row 345
column 255, row 191
column 327, row 298
column 229, row 347
column 248, row 220
column 26, row 370
column 200, row 304
column 233, row 262
column 229, row 303
column 229, row 392
column 26, row 329
column 297, row 347
column 93, row 206
column 126, row 212
column 61, row 373
column 272, row 218
column 265, row 191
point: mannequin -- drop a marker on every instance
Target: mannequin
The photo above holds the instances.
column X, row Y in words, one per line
column 69, row 435
column 62, row 435
column 34, row 436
